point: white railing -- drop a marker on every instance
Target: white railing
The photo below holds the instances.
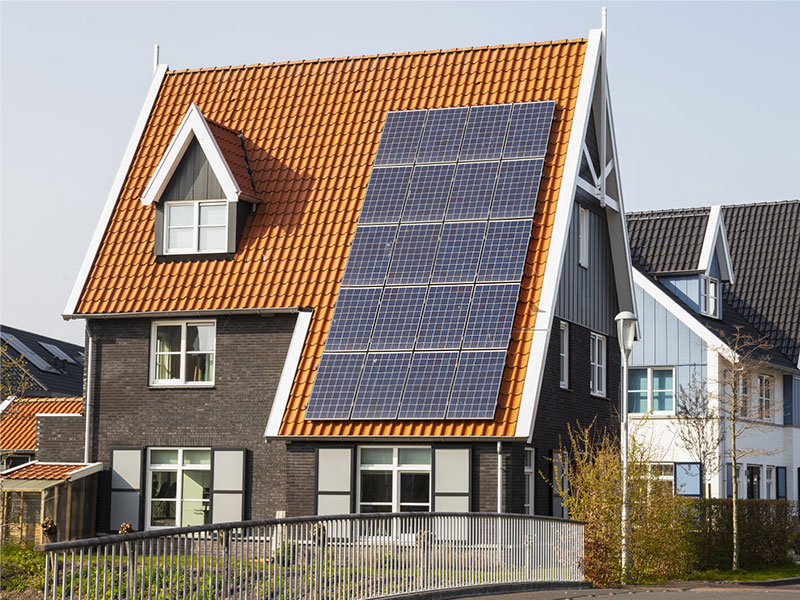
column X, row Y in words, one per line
column 319, row 558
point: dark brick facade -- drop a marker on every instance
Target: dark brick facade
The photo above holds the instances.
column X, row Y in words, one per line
column 60, row 438
column 250, row 353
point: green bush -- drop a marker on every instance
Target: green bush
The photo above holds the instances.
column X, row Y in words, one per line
column 23, row 568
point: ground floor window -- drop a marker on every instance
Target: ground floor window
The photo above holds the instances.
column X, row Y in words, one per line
column 178, row 487
column 530, row 470
column 663, row 475
column 753, row 474
column 394, row 479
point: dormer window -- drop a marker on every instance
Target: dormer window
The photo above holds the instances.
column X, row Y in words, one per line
column 709, row 296
column 193, row 227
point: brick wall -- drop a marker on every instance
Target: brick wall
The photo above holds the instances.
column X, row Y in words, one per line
column 60, row 438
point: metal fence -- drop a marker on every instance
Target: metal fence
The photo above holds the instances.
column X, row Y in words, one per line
column 318, row 558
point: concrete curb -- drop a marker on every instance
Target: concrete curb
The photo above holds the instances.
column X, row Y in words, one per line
column 768, row 582
column 491, row 590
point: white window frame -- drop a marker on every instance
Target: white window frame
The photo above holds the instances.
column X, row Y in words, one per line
column 709, row 296
column 530, row 481
column 766, row 396
column 769, row 481
column 180, row 468
column 564, row 355
column 196, row 204
column 396, row 469
column 657, row 474
column 651, row 392
column 598, row 360
column 583, row 237
column 181, row 381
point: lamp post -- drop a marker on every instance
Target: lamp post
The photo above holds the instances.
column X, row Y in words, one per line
column 626, row 331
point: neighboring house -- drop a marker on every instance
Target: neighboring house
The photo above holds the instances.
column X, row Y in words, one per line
column 700, row 273
column 362, row 284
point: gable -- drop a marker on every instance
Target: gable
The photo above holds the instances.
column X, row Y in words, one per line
column 193, row 178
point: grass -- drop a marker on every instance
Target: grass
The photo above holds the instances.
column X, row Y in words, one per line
column 22, row 567
column 764, row 574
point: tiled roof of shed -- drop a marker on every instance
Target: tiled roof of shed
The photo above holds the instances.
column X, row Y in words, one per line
column 18, row 420
column 312, row 129
column 39, row 470
column 667, row 241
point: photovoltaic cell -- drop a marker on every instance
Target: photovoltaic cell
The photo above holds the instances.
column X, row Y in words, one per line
column 353, row 319
column 491, row 316
column 517, row 188
column 505, row 251
column 398, row 318
column 486, row 132
column 441, row 139
column 413, row 256
column 400, row 138
column 385, row 195
column 444, row 318
column 529, row 130
column 334, row 386
column 459, row 252
column 476, row 385
column 427, row 196
column 381, row 386
column 370, row 255
column 472, row 191
column 428, row 385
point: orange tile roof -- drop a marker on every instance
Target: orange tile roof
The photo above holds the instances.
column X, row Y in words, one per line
column 312, row 129
column 232, row 147
column 18, row 421
column 44, row 471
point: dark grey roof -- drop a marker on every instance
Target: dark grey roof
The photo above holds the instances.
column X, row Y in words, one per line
column 667, row 241
column 61, row 378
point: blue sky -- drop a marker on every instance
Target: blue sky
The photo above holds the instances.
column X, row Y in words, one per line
column 704, row 96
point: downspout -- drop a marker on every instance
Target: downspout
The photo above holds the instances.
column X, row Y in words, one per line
column 88, row 409
column 499, row 477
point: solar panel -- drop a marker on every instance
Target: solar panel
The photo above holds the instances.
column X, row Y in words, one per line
column 353, row 319
column 370, row 255
column 413, row 255
column 459, row 252
column 335, row 386
column 57, row 352
column 472, row 191
column 386, row 192
column 441, row 139
column 486, row 132
column 400, row 137
column 381, row 386
column 398, row 318
column 428, row 386
column 477, row 385
column 505, row 251
column 491, row 316
column 23, row 349
column 517, row 188
column 444, row 318
column 427, row 196
column 529, row 130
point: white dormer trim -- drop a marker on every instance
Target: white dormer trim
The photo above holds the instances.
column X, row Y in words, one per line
column 193, row 126
column 716, row 241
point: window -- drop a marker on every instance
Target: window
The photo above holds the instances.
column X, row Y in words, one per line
column 729, row 481
column 583, row 237
column 178, row 487
column 780, row 477
column 753, row 474
column 765, row 386
column 597, row 358
column 564, row 354
column 709, row 296
column 742, row 397
column 769, row 481
column 663, row 475
column 394, row 479
column 183, row 353
column 530, row 478
column 688, row 479
column 651, row 390
column 196, row 227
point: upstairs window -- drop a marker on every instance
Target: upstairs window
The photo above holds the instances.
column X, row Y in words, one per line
column 583, row 237
column 195, row 227
column 597, row 359
column 766, row 385
column 183, row 353
column 564, row 354
column 651, row 390
column 709, row 296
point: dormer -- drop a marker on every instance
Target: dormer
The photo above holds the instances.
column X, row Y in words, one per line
column 202, row 190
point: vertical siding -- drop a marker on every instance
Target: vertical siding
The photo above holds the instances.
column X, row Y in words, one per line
column 796, row 401
column 588, row 297
column 713, row 270
column 193, row 179
column 686, row 288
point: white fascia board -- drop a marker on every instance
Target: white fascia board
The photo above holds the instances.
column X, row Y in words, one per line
column 116, row 188
column 85, row 471
column 5, row 404
column 529, row 403
column 288, row 373
column 715, row 240
column 194, row 125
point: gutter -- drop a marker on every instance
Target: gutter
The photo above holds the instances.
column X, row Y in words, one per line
column 87, row 412
column 189, row 313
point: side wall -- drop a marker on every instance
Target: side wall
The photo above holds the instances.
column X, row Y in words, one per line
column 60, row 438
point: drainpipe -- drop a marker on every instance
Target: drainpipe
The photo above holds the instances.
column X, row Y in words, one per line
column 499, row 477
column 88, row 409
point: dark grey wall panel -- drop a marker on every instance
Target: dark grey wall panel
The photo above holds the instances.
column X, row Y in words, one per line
column 193, row 179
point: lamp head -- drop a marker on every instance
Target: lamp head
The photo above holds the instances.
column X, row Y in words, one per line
column 626, row 331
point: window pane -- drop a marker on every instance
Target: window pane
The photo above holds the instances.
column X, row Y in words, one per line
column 200, row 338
column 372, row 508
column 199, row 367
column 376, row 456
column 415, row 456
column 662, row 379
column 168, row 338
column 195, row 512
column 162, row 514
column 662, row 400
column 196, row 485
column 163, row 457
column 179, row 239
column 164, row 484
column 213, row 238
column 197, row 457
column 637, row 379
column 528, row 458
column 687, row 479
column 414, row 508
column 181, row 215
column 168, row 366
column 415, row 487
column 637, row 402
column 376, row 486
column 213, row 214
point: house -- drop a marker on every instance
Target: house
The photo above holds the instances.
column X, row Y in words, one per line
column 377, row 283
column 702, row 275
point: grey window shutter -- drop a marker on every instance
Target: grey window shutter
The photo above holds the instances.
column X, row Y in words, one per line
column 227, row 484
column 334, row 481
column 127, row 487
column 451, row 489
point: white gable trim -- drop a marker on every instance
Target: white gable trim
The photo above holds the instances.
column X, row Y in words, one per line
column 113, row 195
column 716, row 240
column 193, row 126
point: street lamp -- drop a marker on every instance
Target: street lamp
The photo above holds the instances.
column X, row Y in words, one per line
column 626, row 331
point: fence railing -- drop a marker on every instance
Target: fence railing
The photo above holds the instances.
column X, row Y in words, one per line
column 318, row 558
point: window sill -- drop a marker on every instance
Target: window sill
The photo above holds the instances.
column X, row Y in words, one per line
column 596, row 395
column 182, row 386
column 187, row 256
column 565, row 388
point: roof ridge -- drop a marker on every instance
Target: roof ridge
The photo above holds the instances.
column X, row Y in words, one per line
column 766, row 203
column 669, row 212
column 383, row 55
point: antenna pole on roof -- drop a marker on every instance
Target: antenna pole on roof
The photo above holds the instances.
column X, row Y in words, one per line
column 603, row 108
column 155, row 58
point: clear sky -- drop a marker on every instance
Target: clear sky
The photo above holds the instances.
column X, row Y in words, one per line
column 705, row 100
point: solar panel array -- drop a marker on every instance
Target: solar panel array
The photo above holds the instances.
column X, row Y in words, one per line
column 423, row 319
